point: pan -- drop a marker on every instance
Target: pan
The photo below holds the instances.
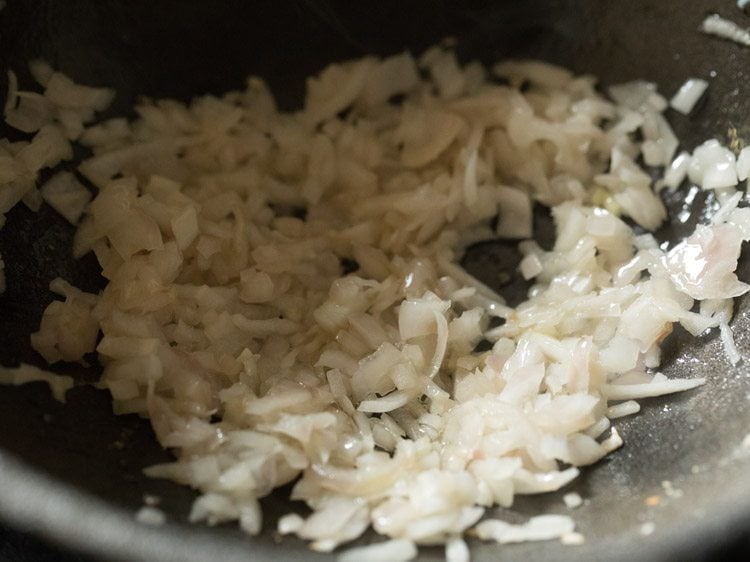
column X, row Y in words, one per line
column 72, row 473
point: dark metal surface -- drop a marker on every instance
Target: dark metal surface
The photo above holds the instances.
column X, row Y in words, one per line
column 73, row 473
column 24, row 547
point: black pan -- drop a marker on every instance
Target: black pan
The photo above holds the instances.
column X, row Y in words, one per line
column 72, row 473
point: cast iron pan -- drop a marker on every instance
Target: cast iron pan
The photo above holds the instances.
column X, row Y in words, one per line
column 72, row 473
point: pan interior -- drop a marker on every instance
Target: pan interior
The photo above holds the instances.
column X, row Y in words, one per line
column 179, row 49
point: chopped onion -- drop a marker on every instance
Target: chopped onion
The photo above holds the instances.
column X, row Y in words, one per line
column 515, row 217
column 150, row 516
column 703, row 265
column 638, row 95
column 539, row 528
column 713, row 166
column 63, row 92
column 59, row 384
column 572, row 500
column 677, row 171
column 627, row 408
column 298, row 274
column 714, row 24
column 649, row 390
column 64, row 193
column 41, row 71
column 688, row 95
column 743, row 164
column 396, row 550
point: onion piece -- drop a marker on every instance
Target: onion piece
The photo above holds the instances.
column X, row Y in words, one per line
column 59, row 384
column 713, row 166
column 31, row 114
column 743, row 164
column 703, row 265
column 395, row 550
column 66, row 195
column 688, row 95
column 649, row 389
column 41, row 71
column 638, row 95
column 539, row 528
column 714, row 24
column 149, row 515
column 515, row 217
column 63, row 92
column 677, row 171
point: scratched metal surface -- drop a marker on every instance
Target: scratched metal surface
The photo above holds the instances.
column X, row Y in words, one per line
column 72, row 473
